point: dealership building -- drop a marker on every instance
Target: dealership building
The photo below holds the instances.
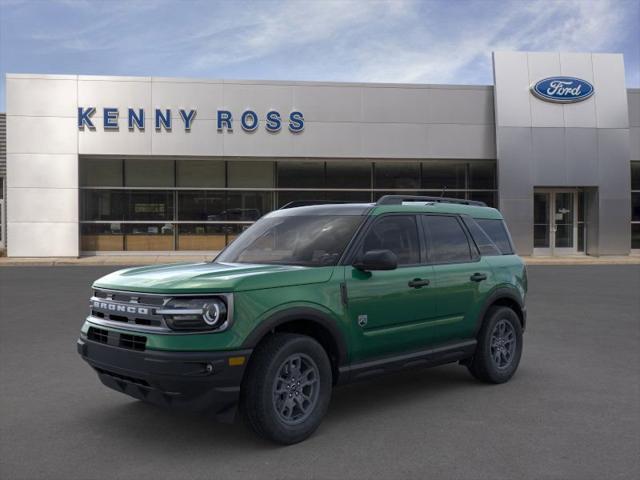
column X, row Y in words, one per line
column 124, row 165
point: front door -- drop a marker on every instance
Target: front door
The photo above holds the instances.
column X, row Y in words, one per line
column 555, row 225
column 389, row 311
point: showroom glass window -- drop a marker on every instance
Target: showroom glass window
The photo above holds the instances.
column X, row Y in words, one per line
column 158, row 204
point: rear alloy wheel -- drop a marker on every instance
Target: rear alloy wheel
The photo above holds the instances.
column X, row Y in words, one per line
column 287, row 388
column 499, row 346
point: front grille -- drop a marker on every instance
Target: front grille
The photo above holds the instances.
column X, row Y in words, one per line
column 128, row 308
column 133, row 342
column 122, row 340
column 98, row 335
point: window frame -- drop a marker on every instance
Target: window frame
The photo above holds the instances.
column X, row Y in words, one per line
column 475, row 255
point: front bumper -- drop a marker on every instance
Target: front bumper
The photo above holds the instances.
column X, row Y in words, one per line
column 196, row 381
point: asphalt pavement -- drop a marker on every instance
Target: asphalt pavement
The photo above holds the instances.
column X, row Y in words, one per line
column 571, row 412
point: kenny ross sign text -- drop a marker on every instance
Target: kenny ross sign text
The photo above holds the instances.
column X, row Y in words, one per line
column 162, row 119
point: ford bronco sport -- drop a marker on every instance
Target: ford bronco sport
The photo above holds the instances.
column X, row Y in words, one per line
column 308, row 298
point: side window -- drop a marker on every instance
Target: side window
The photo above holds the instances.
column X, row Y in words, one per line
column 482, row 240
column 396, row 233
column 497, row 232
column 447, row 241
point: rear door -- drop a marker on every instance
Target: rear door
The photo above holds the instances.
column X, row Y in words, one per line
column 461, row 276
column 389, row 310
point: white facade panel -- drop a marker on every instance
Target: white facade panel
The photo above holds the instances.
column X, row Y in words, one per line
column 581, row 114
column 461, row 106
column 205, row 97
column 511, row 72
column 461, row 141
column 43, row 170
column 395, row 105
column 321, row 103
column 327, row 140
column 41, row 134
column 42, row 97
column 42, row 239
column 612, row 109
column 389, row 140
column 42, row 205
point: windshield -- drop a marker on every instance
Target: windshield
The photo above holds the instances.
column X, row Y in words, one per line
column 307, row 240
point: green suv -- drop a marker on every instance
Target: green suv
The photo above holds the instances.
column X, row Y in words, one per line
column 311, row 297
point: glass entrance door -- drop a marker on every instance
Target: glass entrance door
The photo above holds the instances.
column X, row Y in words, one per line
column 555, row 222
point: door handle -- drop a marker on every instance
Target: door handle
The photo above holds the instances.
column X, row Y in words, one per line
column 478, row 277
column 418, row 282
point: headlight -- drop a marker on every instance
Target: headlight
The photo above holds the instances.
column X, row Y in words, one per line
column 195, row 314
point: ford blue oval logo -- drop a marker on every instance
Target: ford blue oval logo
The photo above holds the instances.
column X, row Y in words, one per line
column 562, row 89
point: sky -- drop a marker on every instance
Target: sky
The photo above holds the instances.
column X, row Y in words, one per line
column 403, row 41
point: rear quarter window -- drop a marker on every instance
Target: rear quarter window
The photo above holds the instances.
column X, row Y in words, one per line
column 497, row 232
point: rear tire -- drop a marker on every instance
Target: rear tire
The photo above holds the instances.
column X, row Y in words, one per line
column 287, row 388
column 499, row 346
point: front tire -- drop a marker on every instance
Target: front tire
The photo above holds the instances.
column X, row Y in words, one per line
column 499, row 347
column 287, row 388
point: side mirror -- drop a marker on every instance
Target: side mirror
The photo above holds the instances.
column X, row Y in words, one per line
column 377, row 260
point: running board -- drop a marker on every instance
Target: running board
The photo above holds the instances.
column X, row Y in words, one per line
column 439, row 355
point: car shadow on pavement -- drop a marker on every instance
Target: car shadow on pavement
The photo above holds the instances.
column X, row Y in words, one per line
column 135, row 421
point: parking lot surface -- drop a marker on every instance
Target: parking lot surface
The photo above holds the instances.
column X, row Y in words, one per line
column 571, row 412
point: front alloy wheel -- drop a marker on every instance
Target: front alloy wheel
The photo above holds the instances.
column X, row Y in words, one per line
column 287, row 388
column 296, row 389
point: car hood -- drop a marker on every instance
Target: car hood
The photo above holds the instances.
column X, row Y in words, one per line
column 211, row 277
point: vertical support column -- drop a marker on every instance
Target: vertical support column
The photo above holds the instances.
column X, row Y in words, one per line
column 42, row 166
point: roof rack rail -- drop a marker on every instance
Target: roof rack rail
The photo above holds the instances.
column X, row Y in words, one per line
column 399, row 199
column 307, row 203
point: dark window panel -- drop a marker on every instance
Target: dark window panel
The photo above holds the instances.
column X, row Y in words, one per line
column 635, row 207
column 581, row 236
column 354, row 197
column 635, row 175
column 149, row 173
column 250, row 174
column 301, row 175
column 356, row 174
column 200, row 173
column 635, row 235
column 101, row 172
column 201, row 205
column 397, row 175
column 150, row 205
column 482, row 175
column 438, row 175
column 103, row 205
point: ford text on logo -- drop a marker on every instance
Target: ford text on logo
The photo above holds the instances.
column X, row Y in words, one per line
column 562, row 89
column 163, row 120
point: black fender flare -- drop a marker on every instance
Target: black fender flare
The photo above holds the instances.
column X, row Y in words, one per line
column 300, row 313
column 499, row 294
